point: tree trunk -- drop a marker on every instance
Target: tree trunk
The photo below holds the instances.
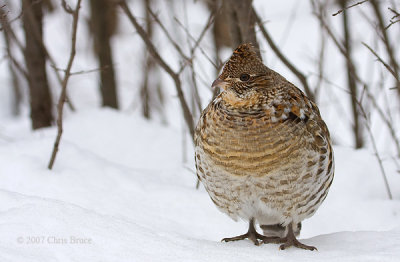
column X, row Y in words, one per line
column 103, row 22
column 35, row 58
column 234, row 25
column 242, row 23
column 148, row 67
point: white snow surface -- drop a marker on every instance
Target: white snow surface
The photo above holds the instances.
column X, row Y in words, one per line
column 119, row 186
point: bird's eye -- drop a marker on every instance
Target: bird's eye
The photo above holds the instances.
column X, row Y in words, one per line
column 244, row 77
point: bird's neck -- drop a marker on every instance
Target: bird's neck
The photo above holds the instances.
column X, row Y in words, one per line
column 247, row 101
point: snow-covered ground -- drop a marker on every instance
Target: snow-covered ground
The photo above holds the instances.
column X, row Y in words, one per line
column 119, row 192
column 122, row 189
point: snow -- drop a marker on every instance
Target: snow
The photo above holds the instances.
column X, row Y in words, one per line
column 119, row 186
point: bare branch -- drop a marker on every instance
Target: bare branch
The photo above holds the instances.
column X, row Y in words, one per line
column 392, row 20
column 344, row 47
column 348, row 7
column 175, row 77
column 320, row 60
column 82, row 72
column 193, row 48
column 12, row 64
column 375, row 148
column 383, row 62
column 66, row 7
column 396, row 14
column 193, row 39
column 11, row 20
column 337, row 43
column 302, row 78
column 63, row 94
column 392, row 23
column 177, row 47
column 388, row 122
column 210, row 22
column 10, row 36
column 6, row 26
column 19, row 66
column 386, row 41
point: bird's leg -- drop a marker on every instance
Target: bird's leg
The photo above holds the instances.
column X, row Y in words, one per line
column 288, row 241
column 251, row 234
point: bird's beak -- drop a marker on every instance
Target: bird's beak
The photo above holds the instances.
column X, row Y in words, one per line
column 219, row 83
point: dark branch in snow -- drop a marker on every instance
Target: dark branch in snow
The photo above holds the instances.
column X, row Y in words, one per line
column 63, row 95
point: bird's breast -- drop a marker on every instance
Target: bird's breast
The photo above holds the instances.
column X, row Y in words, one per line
column 252, row 143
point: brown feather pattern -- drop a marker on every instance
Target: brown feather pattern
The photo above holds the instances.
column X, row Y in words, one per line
column 262, row 150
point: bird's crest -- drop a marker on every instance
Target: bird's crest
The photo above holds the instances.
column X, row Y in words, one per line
column 244, row 60
column 245, row 50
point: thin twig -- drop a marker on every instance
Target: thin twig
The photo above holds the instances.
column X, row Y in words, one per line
column 386, row 120
column 38, row 38
column 19, row 67
column 10, row 35
column 63, row 94
column 6, row 26
column 284, row 60
column 170, row 38
column 383, row 62
column 14, row 77
column 392, row 20
column 375, row 148
column 337, row 43
column 11, row 20
column 348, row 7
column 396, row 14
column 194, row 173
column 21, row 13
column 157, row 57
column 209, row 23
column 321, row 60
column 197, row 41
column 392, row 23
column 82, row 72
column 386, row 41
column 66, row 7
column 193, row 39
column 193, row 48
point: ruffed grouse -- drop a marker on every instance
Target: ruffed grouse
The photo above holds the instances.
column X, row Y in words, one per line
column 262, row 151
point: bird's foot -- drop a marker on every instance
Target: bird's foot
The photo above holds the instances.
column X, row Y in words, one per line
column 251, row 234
column 294, row 242
column 288, row 241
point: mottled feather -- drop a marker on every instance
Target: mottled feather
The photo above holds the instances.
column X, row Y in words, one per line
column 262, row 150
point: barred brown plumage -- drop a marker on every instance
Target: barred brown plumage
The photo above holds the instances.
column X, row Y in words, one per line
column 262, row 151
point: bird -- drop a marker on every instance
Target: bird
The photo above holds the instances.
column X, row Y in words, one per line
column 262, row 151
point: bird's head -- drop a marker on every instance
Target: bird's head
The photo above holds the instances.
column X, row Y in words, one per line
column 243, row 72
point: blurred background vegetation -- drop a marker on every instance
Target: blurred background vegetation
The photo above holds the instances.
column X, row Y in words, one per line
column 173, row 50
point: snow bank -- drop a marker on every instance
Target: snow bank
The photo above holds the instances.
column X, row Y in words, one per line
column 119, row 192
